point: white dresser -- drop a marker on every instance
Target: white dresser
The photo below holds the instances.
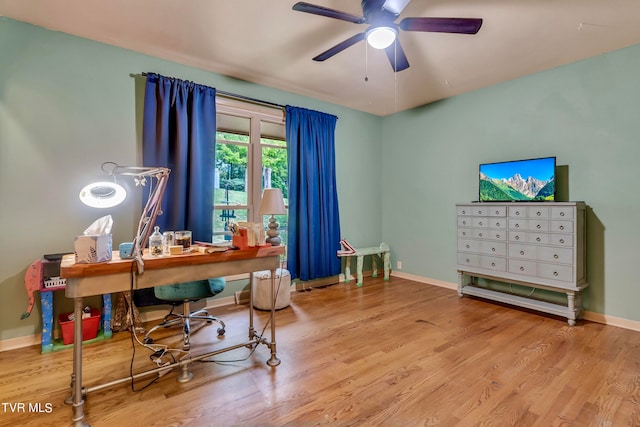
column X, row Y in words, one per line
column 537, row 245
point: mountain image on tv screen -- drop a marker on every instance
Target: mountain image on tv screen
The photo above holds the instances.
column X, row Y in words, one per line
column 520, row 180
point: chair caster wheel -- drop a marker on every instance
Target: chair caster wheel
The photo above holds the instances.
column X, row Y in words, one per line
column 221, row 331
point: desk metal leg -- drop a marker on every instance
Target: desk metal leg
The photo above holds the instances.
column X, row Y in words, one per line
column 76, row 381
column 273, row 361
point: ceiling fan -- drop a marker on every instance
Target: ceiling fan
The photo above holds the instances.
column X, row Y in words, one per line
column 383, row 31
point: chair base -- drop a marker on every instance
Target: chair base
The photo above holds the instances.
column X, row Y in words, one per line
column 174, row 319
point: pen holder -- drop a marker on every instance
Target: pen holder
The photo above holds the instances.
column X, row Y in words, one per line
column 240, row 242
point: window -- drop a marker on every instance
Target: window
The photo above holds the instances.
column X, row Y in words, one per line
column 251, row 154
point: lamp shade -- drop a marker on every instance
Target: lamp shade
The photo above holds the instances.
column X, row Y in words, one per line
column 272, row 202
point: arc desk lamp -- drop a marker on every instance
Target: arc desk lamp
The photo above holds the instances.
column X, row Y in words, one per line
column 107, row 194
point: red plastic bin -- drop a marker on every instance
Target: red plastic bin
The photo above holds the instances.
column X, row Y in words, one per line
column 90, row 326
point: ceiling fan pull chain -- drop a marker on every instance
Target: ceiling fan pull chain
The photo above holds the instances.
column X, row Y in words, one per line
column 366, row 63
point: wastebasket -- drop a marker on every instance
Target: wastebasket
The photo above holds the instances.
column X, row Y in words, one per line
column 261, row 289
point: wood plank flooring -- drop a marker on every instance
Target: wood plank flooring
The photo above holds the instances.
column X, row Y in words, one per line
column 396, row 353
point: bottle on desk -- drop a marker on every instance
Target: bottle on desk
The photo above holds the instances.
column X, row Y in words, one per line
column 155, row 242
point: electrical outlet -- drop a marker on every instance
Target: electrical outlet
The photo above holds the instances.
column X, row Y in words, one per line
column 399, row 265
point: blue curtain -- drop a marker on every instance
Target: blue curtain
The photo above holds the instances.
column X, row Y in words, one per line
column 314, row 222
column 179, row 132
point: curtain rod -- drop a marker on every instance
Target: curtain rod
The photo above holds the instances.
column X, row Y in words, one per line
column 240, row 97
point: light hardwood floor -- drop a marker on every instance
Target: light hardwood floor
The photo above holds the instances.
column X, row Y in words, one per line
column 395, row 353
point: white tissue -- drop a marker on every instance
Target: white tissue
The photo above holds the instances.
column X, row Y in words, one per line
column 100, row 227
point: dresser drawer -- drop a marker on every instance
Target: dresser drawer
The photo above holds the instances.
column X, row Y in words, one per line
column 522, row 251
column 518, row 266
column 465, row 232
column 541, row 212
column 517, row 211
column 538, row 225
column 469, row 260
column 498, row 223
column 464, row 221
column 468, row 245
column 560, row 226
column 555, row 272
column 497, row 211
column 493, row 263
column 463, row 210
column 552, row 254
column 486, row 233
column 481, row 222
column 541, row 238
column 518, row 224
column 561, row 240
column 518, row 236
column 482, row 261
column 562, row 212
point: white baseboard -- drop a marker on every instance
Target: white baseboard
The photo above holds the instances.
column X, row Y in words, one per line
column 605, row 319
column 242, row 297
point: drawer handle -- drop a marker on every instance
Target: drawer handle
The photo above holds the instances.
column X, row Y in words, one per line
column 538, row 239
column 538, row 213
column 517, row 238
column 464, row 212
column 555, row 256
column 521, row 252
column 562, row 227
column 517, row 213
column 521, row 268
column 480, row 223
column 493, row 249
column 497, row 212
column 479, row 234
column 468, row 260
column 538, row 226
column 479, row 212
column 497, row 236
column 497, row 224
column 555, row 273
column 468, row 246
column 493, row 264
column 561, row 213
column 464, row 222
column 561, row 240
column 517, row 225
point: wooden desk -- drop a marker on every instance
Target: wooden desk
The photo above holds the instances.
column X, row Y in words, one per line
column 120, row 275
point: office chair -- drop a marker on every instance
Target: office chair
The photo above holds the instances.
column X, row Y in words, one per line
column 185, row 293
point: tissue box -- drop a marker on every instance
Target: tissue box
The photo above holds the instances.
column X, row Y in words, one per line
column 93, row 248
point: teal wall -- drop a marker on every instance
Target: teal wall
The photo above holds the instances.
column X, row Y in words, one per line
column 587, row 114
column 68, row 104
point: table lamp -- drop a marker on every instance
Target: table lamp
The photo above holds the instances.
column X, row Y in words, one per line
column 272, row 204
column 106, row 194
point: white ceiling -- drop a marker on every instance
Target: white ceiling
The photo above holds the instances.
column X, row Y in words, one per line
column 266, row 42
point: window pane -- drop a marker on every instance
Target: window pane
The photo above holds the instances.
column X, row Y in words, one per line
column 274, row 169
column 230, row 185
column 220, row 219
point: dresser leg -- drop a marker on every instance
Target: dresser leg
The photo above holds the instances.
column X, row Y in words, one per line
column 460, row 282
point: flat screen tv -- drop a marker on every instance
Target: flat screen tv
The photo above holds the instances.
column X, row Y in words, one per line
column 518, row 181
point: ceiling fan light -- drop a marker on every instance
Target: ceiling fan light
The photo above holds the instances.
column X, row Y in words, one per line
column 381, row 37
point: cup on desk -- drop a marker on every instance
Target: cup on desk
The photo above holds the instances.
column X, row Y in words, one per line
column 183, row 238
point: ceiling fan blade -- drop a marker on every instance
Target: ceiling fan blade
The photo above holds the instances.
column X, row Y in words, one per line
column 396, row 56
column 395, row 6
column 325, row 11
column 339, row 47
column 442, row 25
